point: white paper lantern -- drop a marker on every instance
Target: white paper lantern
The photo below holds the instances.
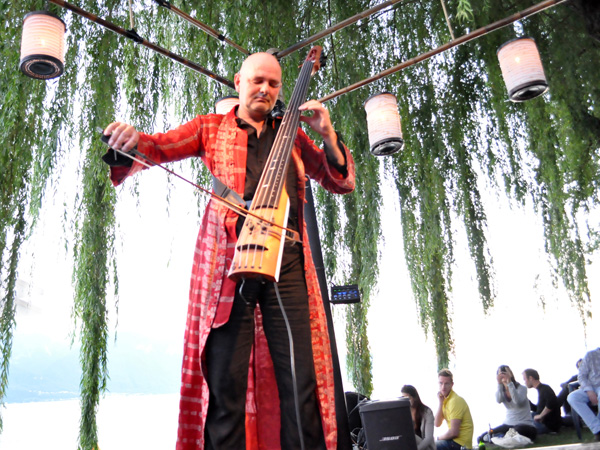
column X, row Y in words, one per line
column 225, row 104
column 522, row 69
column 42, row 45
column 383, row 123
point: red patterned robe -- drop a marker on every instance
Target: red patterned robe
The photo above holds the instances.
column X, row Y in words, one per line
column 222, row 146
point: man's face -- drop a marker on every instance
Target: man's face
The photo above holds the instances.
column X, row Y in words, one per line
column 528, row 381
column 445, row 384
column 258, row 83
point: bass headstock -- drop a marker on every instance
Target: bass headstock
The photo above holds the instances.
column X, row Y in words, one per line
column 316, row 57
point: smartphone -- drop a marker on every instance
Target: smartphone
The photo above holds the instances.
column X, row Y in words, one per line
column 103, row 137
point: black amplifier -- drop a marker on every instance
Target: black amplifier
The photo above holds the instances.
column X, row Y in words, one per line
column 388, row 425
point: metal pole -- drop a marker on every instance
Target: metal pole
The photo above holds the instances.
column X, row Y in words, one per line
column 131, row 34
column 461, row 40
column 335, row 28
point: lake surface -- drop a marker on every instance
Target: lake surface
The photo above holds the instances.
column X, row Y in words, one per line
column 124, row 421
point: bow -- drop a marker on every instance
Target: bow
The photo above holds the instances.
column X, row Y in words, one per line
column 144, row 160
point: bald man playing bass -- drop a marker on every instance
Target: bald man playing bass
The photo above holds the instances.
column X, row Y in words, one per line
column 237, row 388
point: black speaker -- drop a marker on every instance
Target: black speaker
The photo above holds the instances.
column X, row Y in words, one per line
column 388, row 425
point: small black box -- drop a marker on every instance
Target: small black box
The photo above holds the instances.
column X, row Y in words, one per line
column 388, row 425
column 345, row 294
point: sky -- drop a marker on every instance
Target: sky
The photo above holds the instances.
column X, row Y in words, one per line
column 155, row 246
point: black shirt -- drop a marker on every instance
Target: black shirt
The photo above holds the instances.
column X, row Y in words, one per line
column 547, row 399
column 257, row 155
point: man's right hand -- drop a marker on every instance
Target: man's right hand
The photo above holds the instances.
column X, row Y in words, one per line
column 593, row 397
column 122, row 136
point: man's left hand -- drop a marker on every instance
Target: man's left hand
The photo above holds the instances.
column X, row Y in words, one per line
column 319, row 121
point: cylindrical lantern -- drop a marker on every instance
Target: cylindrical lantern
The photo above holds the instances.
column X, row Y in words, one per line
column 383, row 123
column 225, row 104
column 522, row 69
column 43, row 45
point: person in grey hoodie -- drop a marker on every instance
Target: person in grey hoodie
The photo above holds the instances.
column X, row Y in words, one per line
column 514, row 397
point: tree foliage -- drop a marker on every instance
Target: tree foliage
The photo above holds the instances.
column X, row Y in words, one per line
column 461, row 133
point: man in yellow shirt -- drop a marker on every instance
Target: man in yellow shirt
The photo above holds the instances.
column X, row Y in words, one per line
column 455, row 411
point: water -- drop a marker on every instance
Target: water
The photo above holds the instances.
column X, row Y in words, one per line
column 124, row 421
column 145, row 421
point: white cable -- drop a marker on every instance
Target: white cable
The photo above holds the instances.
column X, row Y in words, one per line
column 292, row 366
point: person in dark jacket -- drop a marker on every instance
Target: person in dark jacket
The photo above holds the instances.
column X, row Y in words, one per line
column 564, row 391
column 546, row 414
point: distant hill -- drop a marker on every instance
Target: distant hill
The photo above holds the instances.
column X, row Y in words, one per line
column 42, row 370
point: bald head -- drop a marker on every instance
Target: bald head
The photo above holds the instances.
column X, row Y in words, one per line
column 260, row 59
column 258, row 83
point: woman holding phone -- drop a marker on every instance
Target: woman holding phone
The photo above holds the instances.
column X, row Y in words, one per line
column 514, row 397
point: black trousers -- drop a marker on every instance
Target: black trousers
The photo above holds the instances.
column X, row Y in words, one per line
column 526, row 430
column 228, row 352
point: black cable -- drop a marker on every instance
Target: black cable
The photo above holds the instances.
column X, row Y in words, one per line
column 292, row 366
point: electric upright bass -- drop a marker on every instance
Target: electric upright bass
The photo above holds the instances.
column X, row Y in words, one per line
column 259, row 247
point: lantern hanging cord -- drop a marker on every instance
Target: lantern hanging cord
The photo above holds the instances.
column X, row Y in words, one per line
column 131, row 22
column 447, row 19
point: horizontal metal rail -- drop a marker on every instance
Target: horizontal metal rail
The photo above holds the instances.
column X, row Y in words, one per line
column 461, row 40
column 208, row 30
column 333, row 29
column 132, row 34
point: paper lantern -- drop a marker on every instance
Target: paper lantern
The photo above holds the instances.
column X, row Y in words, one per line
column 42, row 45
column 225, row 104
column 383, row 123
column 522, row 69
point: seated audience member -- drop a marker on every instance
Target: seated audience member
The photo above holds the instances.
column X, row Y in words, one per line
column 455, row 411
column 422, row 417
column 564, row 391
column 586, row 396
column 514, row 397
column 547, row 411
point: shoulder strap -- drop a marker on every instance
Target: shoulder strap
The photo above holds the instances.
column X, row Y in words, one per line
column 221, row 190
